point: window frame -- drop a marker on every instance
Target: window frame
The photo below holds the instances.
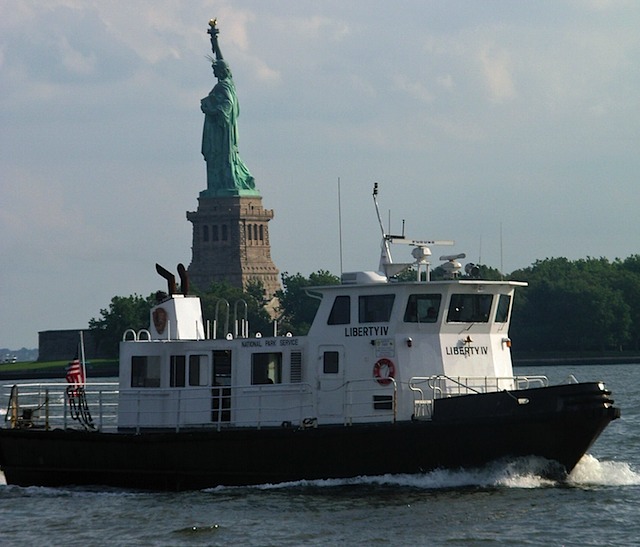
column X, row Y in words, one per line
column 379, row 304
column 338, row 310
column 502, row 314
column 470, row 308
column 266, row 368
column 146, row 371
column 415, row 300
column 331, row 362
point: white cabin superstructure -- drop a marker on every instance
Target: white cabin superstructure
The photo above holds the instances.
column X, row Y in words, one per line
column 377, row 351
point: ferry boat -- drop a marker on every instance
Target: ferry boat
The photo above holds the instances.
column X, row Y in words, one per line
column 392, row 377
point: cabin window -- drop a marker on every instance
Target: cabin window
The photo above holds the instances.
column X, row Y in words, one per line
column 176, row 375
column 469, row 308
column 266, row 368
column 145, row 371
column 341, row 311
column 222, row 368
column 375, row 308
column 198, row 365
column 422, row 308
column 502, row 312
column 331, row 362
column 205, row 233
column 214, row 232
column 225, row 232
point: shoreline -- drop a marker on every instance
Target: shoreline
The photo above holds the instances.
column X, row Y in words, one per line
column 577, row 360
column 52, row 373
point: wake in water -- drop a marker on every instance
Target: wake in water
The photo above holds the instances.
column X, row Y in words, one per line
column 528, row 472
column 591, row 472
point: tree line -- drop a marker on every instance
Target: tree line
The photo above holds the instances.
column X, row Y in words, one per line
column 590, row 304
column 584, row 305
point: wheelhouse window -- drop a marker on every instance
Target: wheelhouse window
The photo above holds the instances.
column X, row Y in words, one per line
column 341, row 311
column 266, row 368
column 469, row 308
column 502, row 312
column 375, row 308
column 331, row 362
column 422, row 308
column 145, row 371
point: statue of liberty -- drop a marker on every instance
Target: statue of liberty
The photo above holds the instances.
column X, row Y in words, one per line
column 227, row 175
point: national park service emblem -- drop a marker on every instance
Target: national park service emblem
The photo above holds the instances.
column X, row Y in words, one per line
column 159, row 319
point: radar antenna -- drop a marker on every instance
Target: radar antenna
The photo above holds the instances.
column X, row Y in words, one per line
column 452, row 267
column 420, row 253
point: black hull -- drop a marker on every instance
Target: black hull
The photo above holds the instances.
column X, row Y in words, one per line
column 558, row 424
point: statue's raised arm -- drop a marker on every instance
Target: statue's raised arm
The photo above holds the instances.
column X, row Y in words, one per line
column 213, row 32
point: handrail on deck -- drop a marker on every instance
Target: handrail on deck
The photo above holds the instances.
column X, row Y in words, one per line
column 439, row 386
column 54, row 405
column 97, row 406
column 390, row 383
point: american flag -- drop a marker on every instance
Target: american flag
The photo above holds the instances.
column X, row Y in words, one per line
column 75, row 373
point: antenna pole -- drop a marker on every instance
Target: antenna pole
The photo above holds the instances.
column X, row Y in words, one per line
column 340, row 225
column 385, row 256
column 501, row 257
column 375, row 202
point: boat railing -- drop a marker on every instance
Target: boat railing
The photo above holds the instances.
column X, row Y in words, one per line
column 358, row 402
column 256, row 405
column 426, row 389
column 102, row 406
column 273, row 404
column 92, row 406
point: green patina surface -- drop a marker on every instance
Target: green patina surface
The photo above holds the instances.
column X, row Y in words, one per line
column 227, row 175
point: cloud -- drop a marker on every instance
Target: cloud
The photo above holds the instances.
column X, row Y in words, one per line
column 416, row 90
column 497, row 71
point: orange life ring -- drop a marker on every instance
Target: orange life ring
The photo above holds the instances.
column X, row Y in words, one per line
column 384, row 370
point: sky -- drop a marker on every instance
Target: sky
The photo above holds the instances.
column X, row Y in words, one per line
column 509, row 127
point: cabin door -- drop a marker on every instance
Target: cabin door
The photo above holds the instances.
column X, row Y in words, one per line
column 331, row 389
column 221, row 387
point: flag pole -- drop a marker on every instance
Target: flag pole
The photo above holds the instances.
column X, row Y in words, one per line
column 84, row 371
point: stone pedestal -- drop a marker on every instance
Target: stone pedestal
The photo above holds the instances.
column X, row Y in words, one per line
column 231, row 243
